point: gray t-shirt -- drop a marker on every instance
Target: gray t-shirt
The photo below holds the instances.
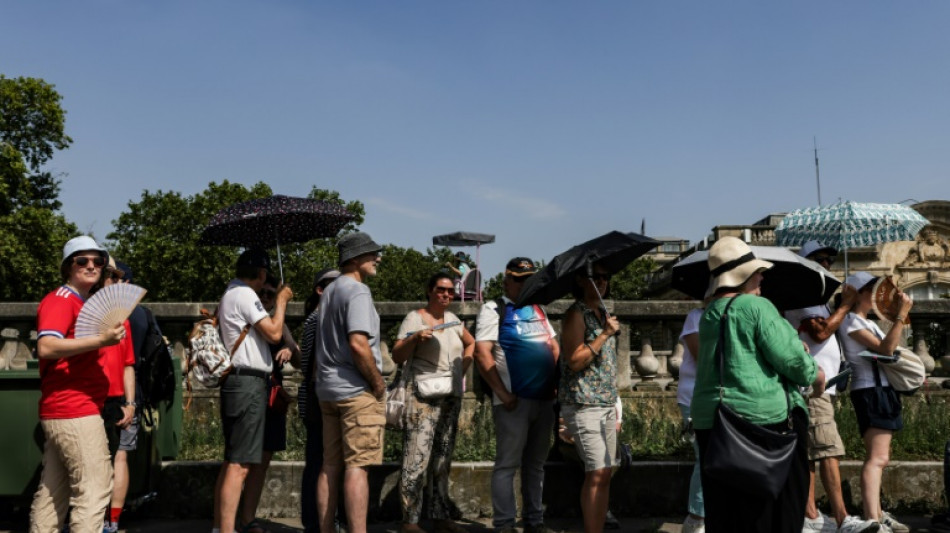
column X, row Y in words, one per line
column 345, row 307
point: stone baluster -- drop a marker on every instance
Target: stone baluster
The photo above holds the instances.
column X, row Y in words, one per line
column 676, row 360
column 945, row 357
column 919, row 328
column 624, row 381
column 647, row 365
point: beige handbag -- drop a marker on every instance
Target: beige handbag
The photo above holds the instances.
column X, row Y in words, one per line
column 907, row 373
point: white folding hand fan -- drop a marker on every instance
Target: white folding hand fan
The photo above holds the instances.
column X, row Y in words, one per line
column 107, row 307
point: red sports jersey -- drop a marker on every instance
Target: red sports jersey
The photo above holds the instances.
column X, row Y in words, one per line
column 115, row 358
column 75, row 386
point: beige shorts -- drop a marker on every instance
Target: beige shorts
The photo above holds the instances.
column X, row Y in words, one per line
column 823, row 438
column 595, row 434
column 353, row 431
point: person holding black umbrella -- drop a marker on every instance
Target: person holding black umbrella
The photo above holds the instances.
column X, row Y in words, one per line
column 587, row 390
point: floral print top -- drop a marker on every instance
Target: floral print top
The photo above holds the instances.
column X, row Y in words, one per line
column 595, row 384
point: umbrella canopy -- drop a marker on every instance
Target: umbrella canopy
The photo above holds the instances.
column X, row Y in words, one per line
column 266, row 222
column 793, row 283
column 850, row 225
column 613, row 251
column 463, row 238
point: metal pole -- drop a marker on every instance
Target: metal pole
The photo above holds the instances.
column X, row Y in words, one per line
column 817, row 174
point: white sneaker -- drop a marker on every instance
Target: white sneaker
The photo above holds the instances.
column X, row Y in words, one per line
column 822, row 524
column 693, row 525
column 888, row 520
column 853, row 524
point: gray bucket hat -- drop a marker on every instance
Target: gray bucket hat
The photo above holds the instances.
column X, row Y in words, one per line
column 356, row 244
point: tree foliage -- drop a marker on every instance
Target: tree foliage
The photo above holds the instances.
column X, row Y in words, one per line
column 403, row 273
column 32, row 128
column 32, row 232
column 629, row 283
column 158, row 237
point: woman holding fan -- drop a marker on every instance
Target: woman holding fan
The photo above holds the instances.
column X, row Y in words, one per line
column 76, row 470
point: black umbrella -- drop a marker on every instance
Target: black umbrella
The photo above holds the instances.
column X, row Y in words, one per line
column 267, row 222
column 466, row 238
column 793, row 283
column 613, row 251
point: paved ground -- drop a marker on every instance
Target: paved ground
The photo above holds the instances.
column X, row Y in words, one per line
column 628, row 525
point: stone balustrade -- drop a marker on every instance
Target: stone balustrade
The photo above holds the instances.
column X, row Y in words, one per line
column 648, row 349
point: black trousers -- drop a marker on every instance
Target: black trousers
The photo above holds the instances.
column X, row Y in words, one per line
column 731, row 511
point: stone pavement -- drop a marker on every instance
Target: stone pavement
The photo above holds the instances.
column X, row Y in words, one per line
column 290, row 525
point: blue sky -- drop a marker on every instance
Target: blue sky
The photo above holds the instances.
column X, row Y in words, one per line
column 545, row 123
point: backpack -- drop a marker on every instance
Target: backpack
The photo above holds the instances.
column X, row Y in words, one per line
column 154, row 370
column 208, row 360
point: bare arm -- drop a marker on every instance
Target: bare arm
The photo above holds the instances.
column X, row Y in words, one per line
column 890, row 342
column 366, row 363
column 292, row 353
column 404, row 348
column 580, row 354
column 272, row 327
column 128, row 385
column 692, row 344
column 50, row 347
column 821, row 329
column 468, row 349
column 486, row 366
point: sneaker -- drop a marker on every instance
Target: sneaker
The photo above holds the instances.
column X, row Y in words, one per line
column 822, row 524
column 888, row 520
column 610, row 521
column 693, row 525
column 110, row 527
column 853, row 524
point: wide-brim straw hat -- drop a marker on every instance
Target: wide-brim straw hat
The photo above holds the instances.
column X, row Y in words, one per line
column 731, row 263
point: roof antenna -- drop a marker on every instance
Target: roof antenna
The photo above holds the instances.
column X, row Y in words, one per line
column 817, row 174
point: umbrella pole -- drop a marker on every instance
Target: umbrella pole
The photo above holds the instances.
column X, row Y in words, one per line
column 280, row 264
column 590, row 278
column 478, row 288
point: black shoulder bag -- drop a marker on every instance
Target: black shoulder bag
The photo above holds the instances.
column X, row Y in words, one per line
column 746, row 456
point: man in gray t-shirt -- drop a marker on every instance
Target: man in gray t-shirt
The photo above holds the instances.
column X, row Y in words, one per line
column 349, row 383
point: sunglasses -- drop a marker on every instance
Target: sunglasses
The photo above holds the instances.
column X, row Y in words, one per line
column 601, row 277
column 445, row 290
column 518, row 279
column 825, row 260
column 83, row 261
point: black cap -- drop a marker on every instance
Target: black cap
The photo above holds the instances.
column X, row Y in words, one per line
column 520, row 266
column 126, row 271
column 254, row 257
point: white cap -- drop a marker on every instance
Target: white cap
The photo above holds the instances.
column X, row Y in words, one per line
column 812, row 247
column 81, row 244
column 859, row 279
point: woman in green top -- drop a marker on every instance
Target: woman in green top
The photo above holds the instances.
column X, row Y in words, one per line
column 764, row 362
column 587, row 391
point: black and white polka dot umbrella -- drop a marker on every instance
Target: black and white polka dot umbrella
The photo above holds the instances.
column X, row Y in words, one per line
column 279, row 219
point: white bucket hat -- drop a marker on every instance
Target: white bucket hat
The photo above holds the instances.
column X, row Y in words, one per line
column 813, row 247
column 858, row 280
column 81, row 244
column 731, row 263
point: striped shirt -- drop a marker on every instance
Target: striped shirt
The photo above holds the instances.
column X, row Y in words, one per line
column 307, row 346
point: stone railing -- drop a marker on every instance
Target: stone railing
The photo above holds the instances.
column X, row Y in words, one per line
column 648, row 343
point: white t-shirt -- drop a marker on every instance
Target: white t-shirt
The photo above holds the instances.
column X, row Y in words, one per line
column 687, row 380
column 863, row 377
column 239, row 307
column 827, row 354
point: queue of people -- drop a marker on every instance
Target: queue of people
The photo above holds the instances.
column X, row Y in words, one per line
column 740, row 351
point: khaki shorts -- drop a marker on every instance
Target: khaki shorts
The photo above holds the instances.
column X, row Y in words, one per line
column 823, row 438
column 595, row 434
column 353, row 431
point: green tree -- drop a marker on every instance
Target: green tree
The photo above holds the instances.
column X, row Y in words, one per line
column 629, row 283
column 158, row 237
column 32, row 232
column 403, row 273
column 32, row 128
